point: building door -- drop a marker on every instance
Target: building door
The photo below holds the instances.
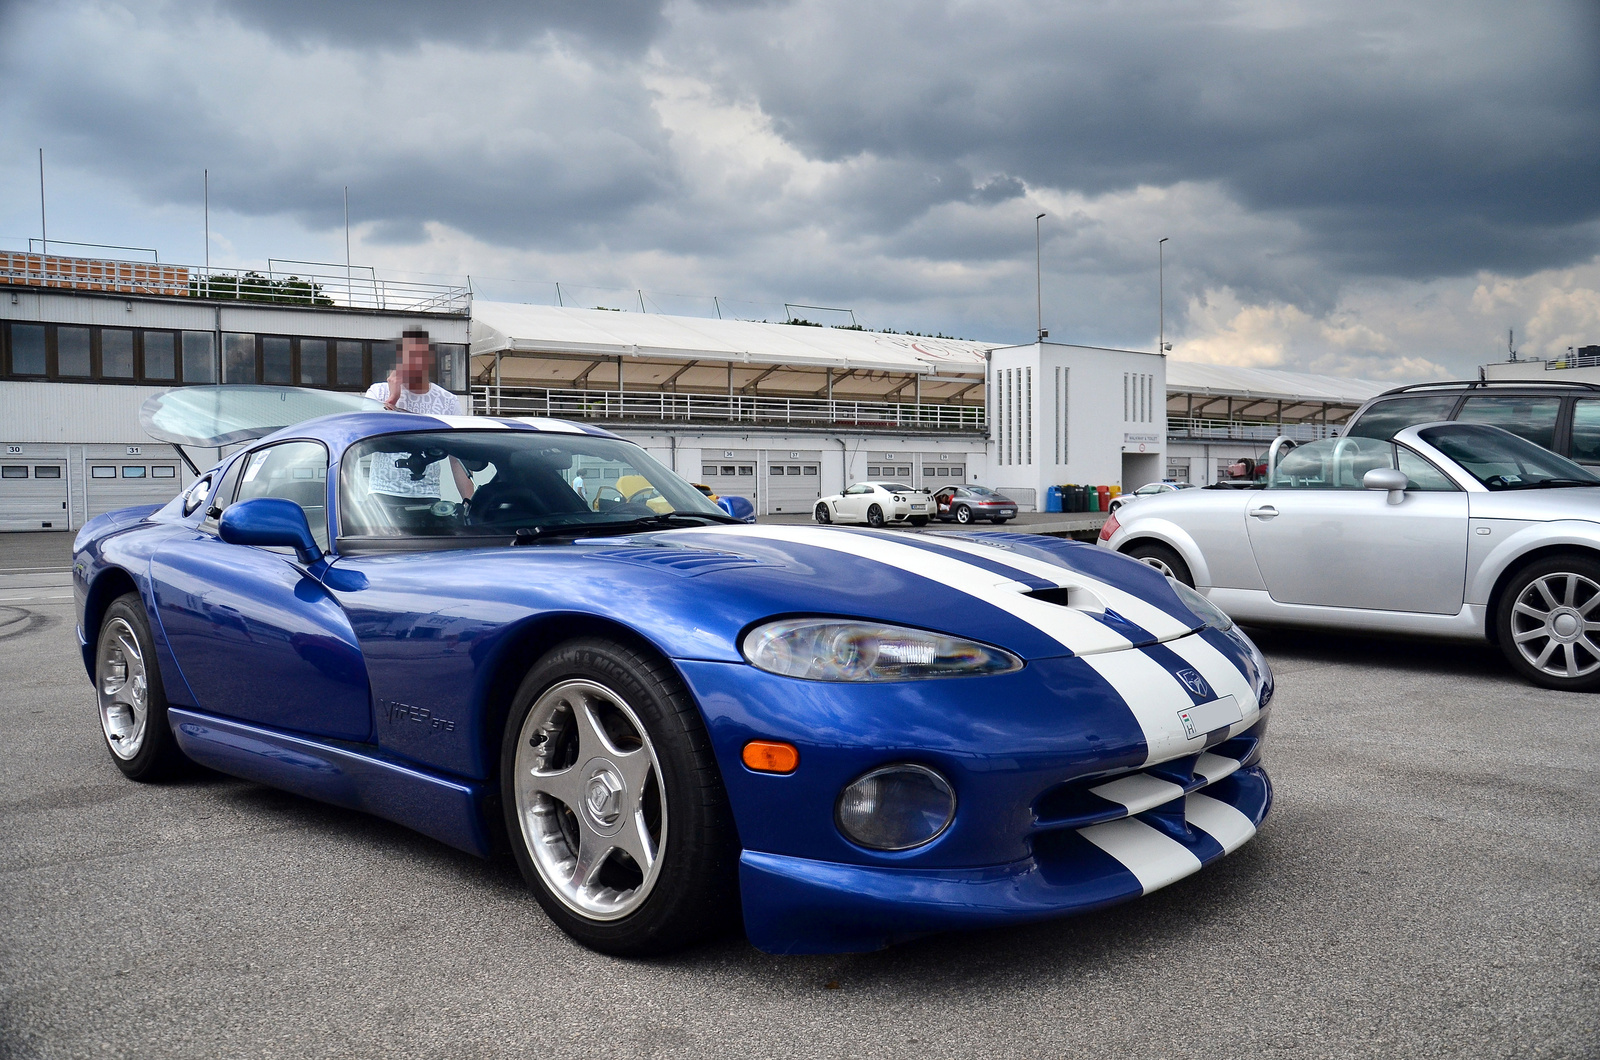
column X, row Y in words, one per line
column 33, row 494
column 793, row 481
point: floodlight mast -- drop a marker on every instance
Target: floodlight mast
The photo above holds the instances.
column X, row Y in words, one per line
column 1161, row 295
column 1038, row 282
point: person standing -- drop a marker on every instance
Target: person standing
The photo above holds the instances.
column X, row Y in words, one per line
column 408, row 389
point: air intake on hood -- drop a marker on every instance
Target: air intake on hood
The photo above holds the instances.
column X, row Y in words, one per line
column 1070, row 596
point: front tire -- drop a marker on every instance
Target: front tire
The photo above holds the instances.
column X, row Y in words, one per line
column 822, row 514
column 613, row 803
column 1163, row 558
column 132, row 699
column 1548, row 623
column 875, row 517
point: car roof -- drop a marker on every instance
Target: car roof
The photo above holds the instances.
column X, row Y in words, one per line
column 1490, row 386
column 342, row 430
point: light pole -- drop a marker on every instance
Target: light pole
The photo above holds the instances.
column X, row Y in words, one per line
column 1161, row 296
column 1038, row 282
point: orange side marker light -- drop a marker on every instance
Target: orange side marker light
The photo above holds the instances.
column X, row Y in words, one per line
column 771, row 756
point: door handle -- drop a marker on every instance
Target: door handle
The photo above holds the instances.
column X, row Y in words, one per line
column 1266, row 511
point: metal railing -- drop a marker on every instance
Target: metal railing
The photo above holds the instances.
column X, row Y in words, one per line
column 1234, row 430
column 665, row 407
column 1574, row 360
column 325, row 286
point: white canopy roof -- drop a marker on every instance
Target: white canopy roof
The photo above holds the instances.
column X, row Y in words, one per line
column 516, row 328
column 1267, row 384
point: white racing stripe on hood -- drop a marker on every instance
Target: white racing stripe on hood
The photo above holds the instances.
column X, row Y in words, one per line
column 1141, row 613
column 1224, row 677
column 1077, row 631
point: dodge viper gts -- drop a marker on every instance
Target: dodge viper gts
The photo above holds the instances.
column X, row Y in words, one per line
column 847, row 737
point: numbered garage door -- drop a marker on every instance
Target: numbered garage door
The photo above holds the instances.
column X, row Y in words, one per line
column 729, row 472
column 33, row 494
column 121, row 483
column 793, row 481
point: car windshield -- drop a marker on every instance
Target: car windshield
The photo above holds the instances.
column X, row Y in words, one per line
column 531, row 485
column 1502, row 461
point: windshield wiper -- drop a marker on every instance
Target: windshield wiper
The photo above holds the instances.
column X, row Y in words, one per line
column 539, row 535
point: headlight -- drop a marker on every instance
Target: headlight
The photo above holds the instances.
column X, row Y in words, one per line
column 1204, row 609
column 830, row 649
column 896, row 807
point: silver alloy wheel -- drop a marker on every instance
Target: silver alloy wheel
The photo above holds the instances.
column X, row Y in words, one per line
column 590, row 800
column 1552, row 622
column 1158, row 563
column 123, row 685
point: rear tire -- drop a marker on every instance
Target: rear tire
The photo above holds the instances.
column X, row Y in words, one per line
column 875, row 517
column 1163, row 558
column 823, row 515
column 618, row 821
column 963, row 515
column 132, row 699
column 1548, row 623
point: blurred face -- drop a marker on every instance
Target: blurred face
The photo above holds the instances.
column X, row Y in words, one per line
column 416, row 358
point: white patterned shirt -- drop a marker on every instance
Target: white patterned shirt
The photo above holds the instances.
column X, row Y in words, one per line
column 387, row 476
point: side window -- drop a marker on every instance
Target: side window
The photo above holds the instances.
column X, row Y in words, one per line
column 1386, row 417
column 293, row 471
column 1421, row 475
column 1331, row 464
column 1533, row 418
column 1586, row 430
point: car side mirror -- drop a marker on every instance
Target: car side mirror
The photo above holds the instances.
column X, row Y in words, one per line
column 1386, row 478
column 270, row 522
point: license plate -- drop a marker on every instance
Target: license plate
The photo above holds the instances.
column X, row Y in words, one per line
column 1008, row 511
column 918, row 507
column 1207, row 717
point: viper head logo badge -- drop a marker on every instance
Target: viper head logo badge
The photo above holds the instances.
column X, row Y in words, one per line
column 1194, row 682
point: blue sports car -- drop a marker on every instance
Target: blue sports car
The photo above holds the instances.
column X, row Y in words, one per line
column 848, row 737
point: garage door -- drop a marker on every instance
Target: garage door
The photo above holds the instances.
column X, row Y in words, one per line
column 116, row 484
column 793, row 481
column 33, row 494
column 730, row 473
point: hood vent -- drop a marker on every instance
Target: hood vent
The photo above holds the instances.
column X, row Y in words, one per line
column 684, row 562
column 1071, row 596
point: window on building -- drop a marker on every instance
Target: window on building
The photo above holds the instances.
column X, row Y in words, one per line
column 102, row 471
column 72, row 352
column 811, row 469
column 349, row 364
column 874, row 471
column 132, row 471
column 200, row 358
column 27, row 349
column 747, row 469
column 385, row 357
column 313, row 362
column 708, row 471
column 451, row 366
column 163, row 471
column 238, row 358
column 776, row 469
column 47, row 471
column 116, row 353
column 729, row 469
column 277, row 360
column 14, row 471
column 159, row 360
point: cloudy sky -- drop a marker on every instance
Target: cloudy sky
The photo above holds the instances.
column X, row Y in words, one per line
column 1354, row 187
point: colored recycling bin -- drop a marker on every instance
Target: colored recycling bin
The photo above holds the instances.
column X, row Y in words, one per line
column 1052, row 499
column 1103, row 495
column 1091, row 497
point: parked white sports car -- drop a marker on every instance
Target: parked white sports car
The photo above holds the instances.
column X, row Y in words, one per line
column 1452, row 529
column 876, row 503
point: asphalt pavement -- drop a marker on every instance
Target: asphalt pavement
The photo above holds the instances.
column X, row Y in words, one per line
column 1427, row 885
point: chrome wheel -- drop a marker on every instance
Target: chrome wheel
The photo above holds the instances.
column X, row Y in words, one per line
column 123, row 685
column 589, row 799
column 1554, row 624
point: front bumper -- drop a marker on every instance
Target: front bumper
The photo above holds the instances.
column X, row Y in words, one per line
column 798, row 905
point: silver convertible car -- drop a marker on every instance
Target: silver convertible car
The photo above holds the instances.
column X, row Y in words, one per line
column 1455, row 530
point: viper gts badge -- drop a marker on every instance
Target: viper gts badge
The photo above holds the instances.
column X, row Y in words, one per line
column 1194, row 682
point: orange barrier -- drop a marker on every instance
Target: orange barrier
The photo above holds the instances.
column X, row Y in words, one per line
column 93, row 274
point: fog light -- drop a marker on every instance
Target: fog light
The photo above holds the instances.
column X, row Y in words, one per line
column 896, row 807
